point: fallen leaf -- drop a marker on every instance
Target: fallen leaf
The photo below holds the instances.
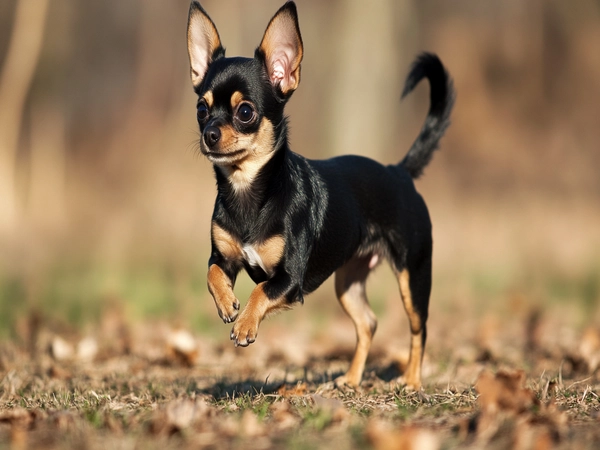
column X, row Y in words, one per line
column 283, row 415
column 589, row 348
column 508, row 410
column 59, row 372
column 63, row 420
column 17, row 416
column 504, row 391
column 178, row 415
column 183, row 347
column 60, row 349
column 251, row 425
column 385, row 436
column 182, row 413
column 294, row 391
column 87, row 349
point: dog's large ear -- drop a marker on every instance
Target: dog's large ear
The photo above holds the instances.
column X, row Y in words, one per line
column 204, row 44
column 282, row 49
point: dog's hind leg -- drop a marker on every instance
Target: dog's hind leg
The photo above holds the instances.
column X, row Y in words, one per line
column 415, row 287
column 350, row 281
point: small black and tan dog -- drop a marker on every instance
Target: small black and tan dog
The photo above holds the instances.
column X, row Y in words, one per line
column 291, row 222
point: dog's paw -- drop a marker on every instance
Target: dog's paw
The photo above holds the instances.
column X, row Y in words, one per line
column 347, row 381
column 244, row 332
column 408, row 384
column 228, row 310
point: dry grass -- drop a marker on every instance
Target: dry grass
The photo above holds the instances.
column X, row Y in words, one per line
column 523, row 380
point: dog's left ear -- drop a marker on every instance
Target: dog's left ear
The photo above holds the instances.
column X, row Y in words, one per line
column 204, row 44
column 282, row 49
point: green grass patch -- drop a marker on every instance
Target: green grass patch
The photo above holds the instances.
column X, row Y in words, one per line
column 77, row 293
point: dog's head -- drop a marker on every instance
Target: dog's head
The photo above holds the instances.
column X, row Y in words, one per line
column 241, row 100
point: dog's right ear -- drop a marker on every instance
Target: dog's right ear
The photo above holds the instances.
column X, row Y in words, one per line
column 204, row 44
column 282, row 49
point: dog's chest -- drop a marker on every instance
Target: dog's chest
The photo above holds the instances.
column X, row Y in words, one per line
column 265, row 254
column 253, row 258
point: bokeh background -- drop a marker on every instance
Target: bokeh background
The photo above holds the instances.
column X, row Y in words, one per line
column 105, row 201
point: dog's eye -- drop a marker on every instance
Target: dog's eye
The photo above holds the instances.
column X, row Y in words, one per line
column 202, row 112
column 245, row 113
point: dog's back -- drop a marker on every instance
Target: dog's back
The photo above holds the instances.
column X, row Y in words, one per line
column 376, row 208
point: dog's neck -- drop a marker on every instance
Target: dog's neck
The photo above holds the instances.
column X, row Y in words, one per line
column 249, row 185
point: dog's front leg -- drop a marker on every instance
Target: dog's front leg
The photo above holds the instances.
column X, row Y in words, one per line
column 266, row 298
column 220, row 285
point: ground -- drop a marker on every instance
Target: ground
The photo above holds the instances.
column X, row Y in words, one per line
column 517, row 376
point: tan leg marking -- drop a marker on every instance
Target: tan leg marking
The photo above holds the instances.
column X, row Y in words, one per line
column 352, row 296
column 220, row 287
column 412, row 375
column 259, row 306
column 227, row 245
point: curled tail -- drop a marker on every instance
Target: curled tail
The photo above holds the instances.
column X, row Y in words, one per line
column 442, row 95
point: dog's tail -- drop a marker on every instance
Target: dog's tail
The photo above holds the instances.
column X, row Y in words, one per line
column 442, row 95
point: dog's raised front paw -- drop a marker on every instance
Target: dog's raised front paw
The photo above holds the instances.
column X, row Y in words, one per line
column 228, row 310
column 244, row 332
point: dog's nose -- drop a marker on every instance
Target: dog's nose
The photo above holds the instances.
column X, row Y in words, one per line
column 212, row 135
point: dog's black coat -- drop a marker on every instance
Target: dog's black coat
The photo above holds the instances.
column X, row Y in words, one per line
column 329, row 212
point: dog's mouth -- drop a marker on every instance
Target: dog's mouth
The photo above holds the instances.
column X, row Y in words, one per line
column 225, row 158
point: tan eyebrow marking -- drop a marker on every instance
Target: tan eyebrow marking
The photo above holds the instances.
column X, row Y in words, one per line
column 236, row 99
column 209, row 99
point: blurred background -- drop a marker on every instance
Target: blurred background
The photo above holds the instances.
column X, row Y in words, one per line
column 105, row 201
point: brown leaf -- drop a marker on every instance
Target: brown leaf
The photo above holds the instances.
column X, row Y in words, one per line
column 507, row 412
column 251, row 426
column 87, row 349
column 115, row 331
column 589, row 348
column 385, row 436
column 295, row 391
column 18, row 438
column 183, row 347
column 60, row 349
column 59, row 372
column 178, row 415
column 504, row 392
column 283, row 415
column 530, row 436
column 64, row 420
column 17, row 416
column 182, row 413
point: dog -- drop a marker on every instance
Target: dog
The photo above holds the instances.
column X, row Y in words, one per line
column 291, row 222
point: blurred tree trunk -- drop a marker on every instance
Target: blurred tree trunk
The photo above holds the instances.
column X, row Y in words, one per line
column 15, row 80
column 366, row 82
column 46, row 201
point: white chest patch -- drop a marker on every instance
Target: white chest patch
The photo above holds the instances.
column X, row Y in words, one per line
column 252, row 257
